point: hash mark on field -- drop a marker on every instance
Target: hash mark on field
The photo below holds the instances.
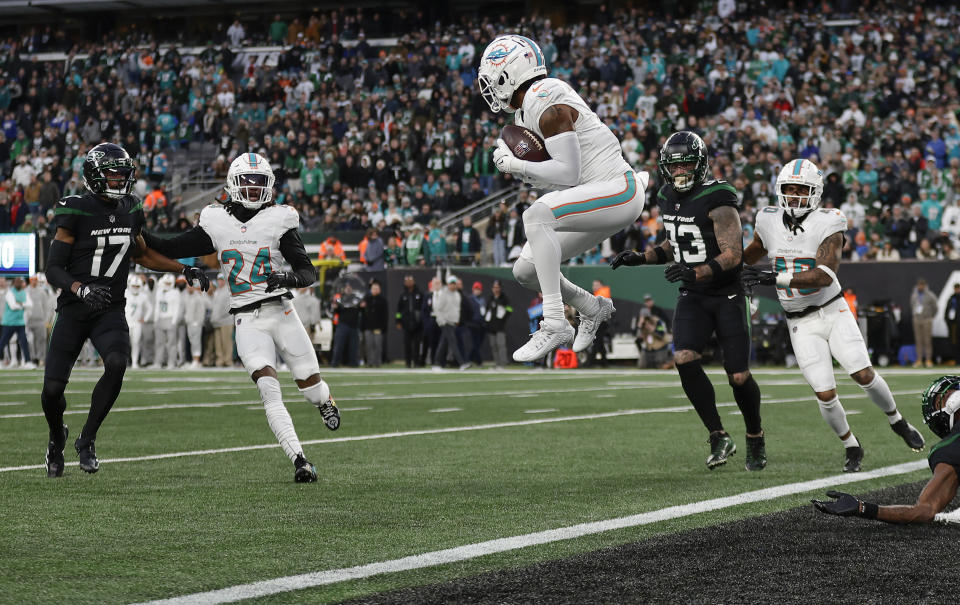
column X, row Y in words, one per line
column 356, row 409
column 603, row 396
column 445, row 410
column 543, row 411
column 472, row 551
column 8, row 403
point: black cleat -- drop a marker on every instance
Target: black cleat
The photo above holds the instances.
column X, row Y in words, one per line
column 721, row 448
column 854, row 458
column 88, row 456
column 306, row 472
column 756, row 453
column 330, row 413
column 55, row 454
column 910, row 435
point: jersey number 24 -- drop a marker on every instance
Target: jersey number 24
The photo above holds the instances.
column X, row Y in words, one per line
column 259, row 270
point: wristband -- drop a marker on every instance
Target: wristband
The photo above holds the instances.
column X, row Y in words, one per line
column 661, row 255
column 784, row 279
column 715, row 267
column 828, row 271
column 868, row 510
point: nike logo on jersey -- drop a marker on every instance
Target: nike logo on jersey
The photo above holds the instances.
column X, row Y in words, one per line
column 732, row 296
column 62, row 202
column 842, row 310
column 287, row 312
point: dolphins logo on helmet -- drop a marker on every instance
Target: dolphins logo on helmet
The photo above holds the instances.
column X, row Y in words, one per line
column 507, row 63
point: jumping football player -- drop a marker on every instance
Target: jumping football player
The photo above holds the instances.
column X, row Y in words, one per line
column 804, row 242
column 89, row 260
column 704, row 237
column 251, row 234
column 599, row 193
column 940, row 404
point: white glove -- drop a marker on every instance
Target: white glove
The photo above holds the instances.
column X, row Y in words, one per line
column 505, row 161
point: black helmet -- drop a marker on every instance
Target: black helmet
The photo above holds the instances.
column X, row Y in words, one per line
column 684, row 147
column 108, row 157
column 933, row 404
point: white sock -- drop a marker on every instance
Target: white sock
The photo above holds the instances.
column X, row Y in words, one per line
column 316, row 394
column 553, row 311
column 833, row 412
column 879, row 393
column 578, row 298
column 278, row 417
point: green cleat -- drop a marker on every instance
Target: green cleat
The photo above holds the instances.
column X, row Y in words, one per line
column 756, row 453
column 721, row 448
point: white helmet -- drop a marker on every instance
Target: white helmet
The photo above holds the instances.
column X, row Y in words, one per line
column 134, row 283
column 166, row 282
column 250, row 181
column 800, row 172
column 508, row 62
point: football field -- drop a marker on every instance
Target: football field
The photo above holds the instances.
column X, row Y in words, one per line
column 433, row 477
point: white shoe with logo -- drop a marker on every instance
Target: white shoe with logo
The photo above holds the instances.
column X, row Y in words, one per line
column 589, row 324
column 543, row 341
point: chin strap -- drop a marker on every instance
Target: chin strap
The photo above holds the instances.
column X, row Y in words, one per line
column 793, row 223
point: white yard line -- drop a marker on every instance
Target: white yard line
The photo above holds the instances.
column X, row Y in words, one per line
column 365, row 398
column 454, row 429
column 358, row 398
column 227, row 383
column 479, row 549
column 445, row 410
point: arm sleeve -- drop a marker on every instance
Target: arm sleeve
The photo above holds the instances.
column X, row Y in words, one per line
column 56, row 270
column 194, row 242
column 564, row 166
column 291, row 247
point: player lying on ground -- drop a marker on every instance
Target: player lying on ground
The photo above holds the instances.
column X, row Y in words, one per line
column 98, row 233
column 250, row 233
column 704, row 237
column 804, row 242
column 599, row 193
column 940, row 404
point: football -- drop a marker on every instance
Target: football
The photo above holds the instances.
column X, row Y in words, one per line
column 524, row 143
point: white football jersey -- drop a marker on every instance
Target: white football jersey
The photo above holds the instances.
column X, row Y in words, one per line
column 139, row 306
column 600, row 154
column 794, row 253
column 249, row 251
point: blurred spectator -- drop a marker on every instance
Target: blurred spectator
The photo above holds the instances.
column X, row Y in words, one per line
column 446, row 309
column 346, row 338
column 375, row 317
column 332, row 248
column 923, row 305
column 498, row 311
column 468, row 246
column 476, row 323
column 409, row 320
column 653, row 340
column 951, row 315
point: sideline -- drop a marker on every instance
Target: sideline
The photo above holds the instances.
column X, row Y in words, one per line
column 472, row 551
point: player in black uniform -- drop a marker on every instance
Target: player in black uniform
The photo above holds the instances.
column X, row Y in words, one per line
column 97, row 235
column 940, row 404
column 704, row 237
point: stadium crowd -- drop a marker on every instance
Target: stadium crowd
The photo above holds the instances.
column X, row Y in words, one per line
column 364, row 135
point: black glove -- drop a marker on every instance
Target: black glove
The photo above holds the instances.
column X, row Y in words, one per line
column 196, row 273
column 755, row 276
column 630, row 258
column 94, row 296
column 680, row 272
column 279, row 279
column 843, row 505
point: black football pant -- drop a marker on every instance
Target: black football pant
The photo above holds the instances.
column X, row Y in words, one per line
column 107, row 330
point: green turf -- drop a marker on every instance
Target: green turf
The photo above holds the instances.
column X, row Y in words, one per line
column 148, row 529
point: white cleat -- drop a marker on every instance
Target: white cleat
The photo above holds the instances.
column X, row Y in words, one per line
column 543, row 341
column 589, row 324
